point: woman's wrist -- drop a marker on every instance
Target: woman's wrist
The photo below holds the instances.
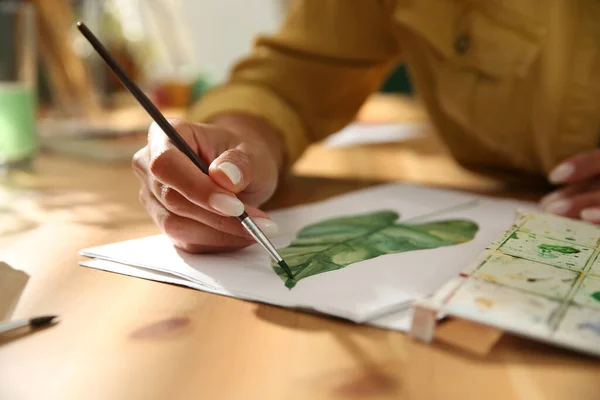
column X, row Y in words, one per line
column 257, row 129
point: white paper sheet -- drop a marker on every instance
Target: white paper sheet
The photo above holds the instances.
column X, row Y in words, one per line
column 398, row 320
column 359, row 292
column 360, row 134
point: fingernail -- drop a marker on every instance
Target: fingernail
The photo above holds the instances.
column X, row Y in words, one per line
column 552, row 197
column 233, row 173
column 591, row 215
column 561, row 173
column 226, row 204
column 269, row 227
column 558, row 207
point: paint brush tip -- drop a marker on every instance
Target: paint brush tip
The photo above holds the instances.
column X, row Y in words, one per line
column 42, row 321
column 286, row 268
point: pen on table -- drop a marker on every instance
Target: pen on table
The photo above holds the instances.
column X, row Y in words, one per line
column 178, row 141
column 37, row 322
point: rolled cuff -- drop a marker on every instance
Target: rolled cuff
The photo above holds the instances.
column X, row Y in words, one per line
column 258, row 101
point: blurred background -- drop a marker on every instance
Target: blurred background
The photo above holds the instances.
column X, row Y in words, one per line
column 175, row 50
column 57, row 95
column 60, row 106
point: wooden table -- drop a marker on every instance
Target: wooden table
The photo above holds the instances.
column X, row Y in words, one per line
column 127, row 338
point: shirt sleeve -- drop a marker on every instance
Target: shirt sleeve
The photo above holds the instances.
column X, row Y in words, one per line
column 310, row 78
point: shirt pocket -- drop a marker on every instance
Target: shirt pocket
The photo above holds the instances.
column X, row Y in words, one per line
column 481, row 59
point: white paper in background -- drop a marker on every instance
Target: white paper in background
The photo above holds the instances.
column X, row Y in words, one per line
column 359, row 133
column 358, row 292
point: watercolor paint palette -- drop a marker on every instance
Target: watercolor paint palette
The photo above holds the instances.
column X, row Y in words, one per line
column 541, row 279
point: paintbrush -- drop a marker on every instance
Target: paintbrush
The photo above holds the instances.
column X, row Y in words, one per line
column 34, row 323
column 178, row 141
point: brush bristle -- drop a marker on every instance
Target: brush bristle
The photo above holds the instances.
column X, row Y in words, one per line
column 41, row 321
column 286, row 269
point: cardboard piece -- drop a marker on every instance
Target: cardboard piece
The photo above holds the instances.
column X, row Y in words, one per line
column 472, row 337
column 12, row 284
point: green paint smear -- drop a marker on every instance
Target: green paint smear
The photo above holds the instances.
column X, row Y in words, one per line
column 550, row 250
column 338, row 242
column 289, row 283
column 595, row 296
column 513, row 236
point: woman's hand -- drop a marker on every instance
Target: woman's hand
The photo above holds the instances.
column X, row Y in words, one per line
column 197, row 211
column 580, row 196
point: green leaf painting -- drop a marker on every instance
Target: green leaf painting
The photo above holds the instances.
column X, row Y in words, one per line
column 338, row 242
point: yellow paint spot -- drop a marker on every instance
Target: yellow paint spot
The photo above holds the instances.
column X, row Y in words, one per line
column 484, row 303
column 487, row 277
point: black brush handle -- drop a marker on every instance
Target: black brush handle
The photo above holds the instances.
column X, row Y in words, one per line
column 156, row 115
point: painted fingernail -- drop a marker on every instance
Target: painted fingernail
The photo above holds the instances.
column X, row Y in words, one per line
column 552, row 197
column 268, row 226
column 561, row 173
column 558, row 207
column 233, row 173
column 591, row 215
column 226, row 204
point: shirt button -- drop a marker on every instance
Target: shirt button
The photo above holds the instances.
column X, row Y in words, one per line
column 461, row 44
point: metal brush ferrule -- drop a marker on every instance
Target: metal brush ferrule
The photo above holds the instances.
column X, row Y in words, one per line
column 261, row 238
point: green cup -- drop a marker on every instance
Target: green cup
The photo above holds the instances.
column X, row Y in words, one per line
column 17, row 123
column 18, row 73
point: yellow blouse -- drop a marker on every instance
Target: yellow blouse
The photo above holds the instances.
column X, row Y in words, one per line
column 507, row 83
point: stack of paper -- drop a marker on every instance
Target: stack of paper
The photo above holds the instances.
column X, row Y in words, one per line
column 365, row 267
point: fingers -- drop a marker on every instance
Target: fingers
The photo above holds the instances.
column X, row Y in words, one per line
column 195, row 210
column 244, row 167
column 174, row 170
column 578, row 168
column 581, row 197
column 244, row 171
column 232, row 170
column 574, row 206
column 188, row 234
column 568, row 191
column 577, row 203
column 179, row 205
column 176, row 203
column 591, row 214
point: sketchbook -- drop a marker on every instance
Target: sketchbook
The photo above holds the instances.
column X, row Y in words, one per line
column 540, row 279
column 399, row 319
column 363, row 256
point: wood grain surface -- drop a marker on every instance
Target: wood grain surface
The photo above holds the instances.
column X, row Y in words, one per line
column 126, row 338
